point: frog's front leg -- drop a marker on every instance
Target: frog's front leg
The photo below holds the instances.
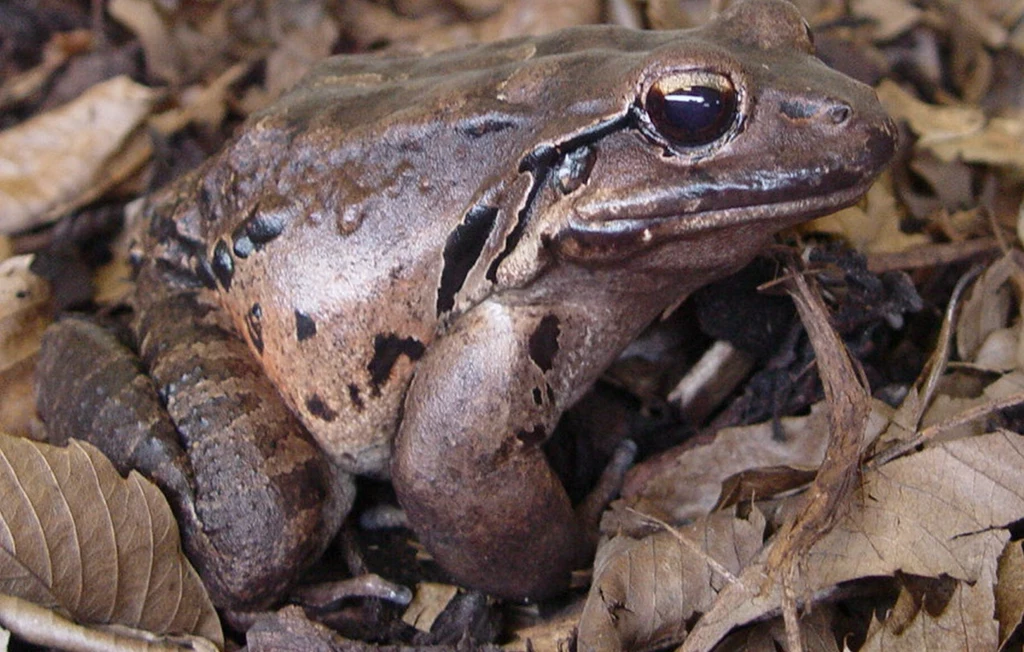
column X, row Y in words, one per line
column 468, row 466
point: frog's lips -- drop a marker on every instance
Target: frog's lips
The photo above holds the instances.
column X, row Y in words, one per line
column 774, row 197
column 674, row 219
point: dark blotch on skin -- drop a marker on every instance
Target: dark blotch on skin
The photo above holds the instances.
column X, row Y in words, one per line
column 305, row 327
column 551, row 394
column 544, row 343
column 357, row 400
column 386, row 349
column 486, row 124
column 223, row 264
column 461, row 252
column 535, row 436
column 204, row 273
column 203, row 203
column 206, row 203
column 263, row 227
column 254, row 324
column 319, row 409
column 243, row 247
column 798, row 110
column 538, row 396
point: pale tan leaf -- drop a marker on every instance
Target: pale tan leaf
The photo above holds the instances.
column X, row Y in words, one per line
column 987, row 307
column 938, row 512
column 1001, row 142
column 873, row 225
column 144, row 20
column 964, row 622
column 932, row 123
column 688, row 485
column 646, row 590
column 24, row 314
column 1009, row 589
column 24, row 310
column 428, row 602
column 46, row 628
column 816, row 633
column 77, row 537
column 891, row 17
column 52, row 158
column 957, row 132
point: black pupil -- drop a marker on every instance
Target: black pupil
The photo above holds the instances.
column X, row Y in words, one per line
column 693, row 116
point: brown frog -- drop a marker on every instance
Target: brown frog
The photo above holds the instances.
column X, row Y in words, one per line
column 422, row 262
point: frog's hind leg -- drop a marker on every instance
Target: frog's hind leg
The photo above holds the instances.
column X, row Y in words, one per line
column 257, row 500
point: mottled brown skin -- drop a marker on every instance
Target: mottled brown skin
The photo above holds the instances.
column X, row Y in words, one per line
column 430, row 259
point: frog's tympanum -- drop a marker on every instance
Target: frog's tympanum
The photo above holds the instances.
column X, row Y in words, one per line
column 415, row 265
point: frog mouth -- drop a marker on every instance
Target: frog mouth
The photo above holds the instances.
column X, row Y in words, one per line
column 649, row 222
column 773, row 198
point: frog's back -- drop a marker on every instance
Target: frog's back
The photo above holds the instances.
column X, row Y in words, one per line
column 348, row 222
column 351, row 221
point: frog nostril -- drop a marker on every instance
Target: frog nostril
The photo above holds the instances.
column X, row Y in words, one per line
column 840, row 113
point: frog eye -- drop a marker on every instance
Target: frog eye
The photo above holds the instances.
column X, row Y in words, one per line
column 692, row 110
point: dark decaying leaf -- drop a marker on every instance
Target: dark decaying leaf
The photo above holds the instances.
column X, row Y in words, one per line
column 78, row 538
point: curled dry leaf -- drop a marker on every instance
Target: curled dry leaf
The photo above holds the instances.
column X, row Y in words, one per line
column 49, row 161
column 78, row 538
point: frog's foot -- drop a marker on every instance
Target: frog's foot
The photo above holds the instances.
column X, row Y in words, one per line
column 247, row 508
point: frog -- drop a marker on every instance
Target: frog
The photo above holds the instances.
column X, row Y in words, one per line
column 408, row 268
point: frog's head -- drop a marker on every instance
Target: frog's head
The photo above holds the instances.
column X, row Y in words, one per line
column 734, row 131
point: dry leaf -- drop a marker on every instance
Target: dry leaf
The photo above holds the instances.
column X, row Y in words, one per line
column 891, row 17
column 986, row 309
column 930, row 122
column 1010, row 589
column 957, row 132
column 961, row 622
column 24, row 311
column 102, row 549
column 24, row 314
column 938, row 512
column 369, row 23
column 873, row 226
column 46, row 628
column 646, row 591
column 816, row 631
column 427, row 604
column 688, row 483
column 53, row 158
